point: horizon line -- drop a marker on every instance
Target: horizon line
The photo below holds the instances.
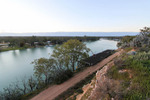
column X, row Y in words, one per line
column 62, row 32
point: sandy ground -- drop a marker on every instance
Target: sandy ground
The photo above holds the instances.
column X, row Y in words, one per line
column 55, row 90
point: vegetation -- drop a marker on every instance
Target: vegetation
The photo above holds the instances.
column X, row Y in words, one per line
column 29, row 41
column 113, row 73
column 12, row 48
column 136, row 87
column 61, row 64
column 141, row 40
column 43, row 69
column 125, row 41
column 70, row 53
column 55, row 40
column 133, row 71
column 34, row 41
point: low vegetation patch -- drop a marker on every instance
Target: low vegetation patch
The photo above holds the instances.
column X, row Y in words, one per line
column 115, row 74
column 133, row 71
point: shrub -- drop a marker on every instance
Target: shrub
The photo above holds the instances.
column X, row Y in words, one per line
column 114, row 73
column 142, row 56
column 144, row 49
column 62, row 76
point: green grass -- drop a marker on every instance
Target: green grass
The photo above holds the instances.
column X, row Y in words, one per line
column 114, row 73
column 128, row 49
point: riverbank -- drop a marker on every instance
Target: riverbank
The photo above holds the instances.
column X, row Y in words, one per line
column 55, row 90
column 18, row 43
column 18, row 48
column 12, row 48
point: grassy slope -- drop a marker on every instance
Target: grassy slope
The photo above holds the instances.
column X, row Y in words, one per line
column 133, row 73
column 136, row 80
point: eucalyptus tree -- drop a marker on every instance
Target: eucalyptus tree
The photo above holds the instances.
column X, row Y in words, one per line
column 143, row 39
column 32, row 84
column 70, row 53
column 43, row 68
column 140, row 40
column 145, row 31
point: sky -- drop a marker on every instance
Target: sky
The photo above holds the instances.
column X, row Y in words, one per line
column 22, row 16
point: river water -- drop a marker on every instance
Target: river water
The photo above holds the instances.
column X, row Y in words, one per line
column 16, row 64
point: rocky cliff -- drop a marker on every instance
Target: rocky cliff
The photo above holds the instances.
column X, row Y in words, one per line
column 101, row 87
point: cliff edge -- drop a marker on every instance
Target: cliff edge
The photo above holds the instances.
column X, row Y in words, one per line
column 102, row 87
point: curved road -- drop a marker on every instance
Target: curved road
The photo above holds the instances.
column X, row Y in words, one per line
column 55, row 90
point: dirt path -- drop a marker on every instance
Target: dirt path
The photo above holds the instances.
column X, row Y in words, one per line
column 53, row 91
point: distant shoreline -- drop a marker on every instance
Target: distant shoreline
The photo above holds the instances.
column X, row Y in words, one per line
column 72, row 34
column 26, row 47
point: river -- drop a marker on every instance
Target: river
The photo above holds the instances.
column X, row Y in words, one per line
column 16, row 64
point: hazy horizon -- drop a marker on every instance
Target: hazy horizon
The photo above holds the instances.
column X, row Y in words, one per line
column 72, row 34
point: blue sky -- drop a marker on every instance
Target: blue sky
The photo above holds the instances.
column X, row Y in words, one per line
column 73, row 15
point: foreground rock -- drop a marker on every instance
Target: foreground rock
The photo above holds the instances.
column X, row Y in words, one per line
column 101, row 87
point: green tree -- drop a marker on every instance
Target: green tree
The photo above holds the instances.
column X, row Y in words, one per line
column 32, row 40
column 70, row 53
column 43, row 68
column 22, row 44
column 143, row 39
column 145, row 31
column 31, row 83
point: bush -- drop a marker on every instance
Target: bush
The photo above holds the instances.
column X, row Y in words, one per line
column 62, row 76
column 142, row 56
column 144, row 49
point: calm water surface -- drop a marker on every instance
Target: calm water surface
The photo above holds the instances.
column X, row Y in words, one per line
column 16, row 64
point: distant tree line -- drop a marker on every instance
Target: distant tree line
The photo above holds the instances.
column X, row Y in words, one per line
column 30, row 41
column 21, row 41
